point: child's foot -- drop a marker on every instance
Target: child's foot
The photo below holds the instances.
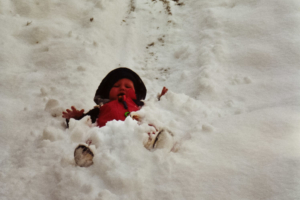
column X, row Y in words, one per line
column 149, row 144
column 159, row 140
column 164, row 139
column 83, row 156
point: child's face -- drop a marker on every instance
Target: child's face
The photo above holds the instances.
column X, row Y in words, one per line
column 121, row 87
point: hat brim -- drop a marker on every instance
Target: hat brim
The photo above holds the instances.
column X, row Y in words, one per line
column 115, row 75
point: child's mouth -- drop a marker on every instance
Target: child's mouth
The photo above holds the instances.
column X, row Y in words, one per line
column 121, row 94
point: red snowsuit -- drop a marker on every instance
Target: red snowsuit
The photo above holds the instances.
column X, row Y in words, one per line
column 116, row 110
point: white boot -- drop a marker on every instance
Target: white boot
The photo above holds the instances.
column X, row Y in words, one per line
column 161, row 139
column 83, row 156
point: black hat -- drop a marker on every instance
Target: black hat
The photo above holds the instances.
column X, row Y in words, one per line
column 115, row 75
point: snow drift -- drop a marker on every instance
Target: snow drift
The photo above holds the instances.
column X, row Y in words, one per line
column 232, row 69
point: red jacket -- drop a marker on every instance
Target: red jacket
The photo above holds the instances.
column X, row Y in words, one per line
column 115, row 110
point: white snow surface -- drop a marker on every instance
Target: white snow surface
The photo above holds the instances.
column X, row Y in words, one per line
column 233, row 73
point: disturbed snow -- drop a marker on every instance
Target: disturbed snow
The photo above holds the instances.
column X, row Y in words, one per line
column 232, row 69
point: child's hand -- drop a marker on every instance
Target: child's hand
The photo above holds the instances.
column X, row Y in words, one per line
column 163, row 92
column 72, row 113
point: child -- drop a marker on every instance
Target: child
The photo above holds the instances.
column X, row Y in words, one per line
column 120, row 93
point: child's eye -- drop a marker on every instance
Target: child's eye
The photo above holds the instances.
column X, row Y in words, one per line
column 128, row 86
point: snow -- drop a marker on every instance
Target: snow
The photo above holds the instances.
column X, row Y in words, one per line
column 232, row 69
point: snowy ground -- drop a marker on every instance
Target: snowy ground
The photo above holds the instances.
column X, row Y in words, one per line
column 232, row 69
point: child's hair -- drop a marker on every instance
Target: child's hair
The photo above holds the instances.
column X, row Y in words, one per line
column 112, row 77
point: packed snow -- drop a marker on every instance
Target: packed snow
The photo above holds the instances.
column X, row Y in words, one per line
column 233, row 105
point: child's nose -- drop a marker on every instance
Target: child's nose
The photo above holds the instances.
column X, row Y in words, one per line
column 122, row 87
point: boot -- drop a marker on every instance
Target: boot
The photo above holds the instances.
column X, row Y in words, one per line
column 83, row 156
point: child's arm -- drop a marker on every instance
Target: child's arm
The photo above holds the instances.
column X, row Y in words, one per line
column 163, row 92
column 73, row 113
column 94, row 113
column 78, row 114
